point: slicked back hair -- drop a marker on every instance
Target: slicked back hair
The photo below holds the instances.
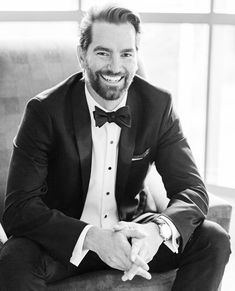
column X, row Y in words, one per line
column 109, row 14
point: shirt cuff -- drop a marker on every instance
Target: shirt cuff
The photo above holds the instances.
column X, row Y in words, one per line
column 172, row 243
column 78, row 251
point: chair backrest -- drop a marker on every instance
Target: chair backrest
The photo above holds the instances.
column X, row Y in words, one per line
column 27, row 67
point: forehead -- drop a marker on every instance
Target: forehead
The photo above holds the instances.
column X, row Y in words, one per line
column 113, row 36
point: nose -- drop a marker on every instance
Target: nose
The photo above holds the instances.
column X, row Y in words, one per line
column 115, row 64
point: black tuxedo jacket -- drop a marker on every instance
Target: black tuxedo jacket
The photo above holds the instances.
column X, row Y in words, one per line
column 51, row 164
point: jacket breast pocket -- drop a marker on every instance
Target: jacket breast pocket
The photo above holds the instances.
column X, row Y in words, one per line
column 141, row 156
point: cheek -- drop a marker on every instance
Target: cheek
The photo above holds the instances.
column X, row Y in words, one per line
column 131, row 67
column 96, row 64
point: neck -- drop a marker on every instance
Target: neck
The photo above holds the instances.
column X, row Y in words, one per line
column 107, row 104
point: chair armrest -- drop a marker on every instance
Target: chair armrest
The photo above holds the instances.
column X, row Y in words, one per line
column 220, row 211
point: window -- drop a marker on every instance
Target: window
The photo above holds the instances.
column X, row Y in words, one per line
column 221, row 136
column 225, row 6
column 42, row 5
column 38, row 29
column 180, row 52
column 182, row 6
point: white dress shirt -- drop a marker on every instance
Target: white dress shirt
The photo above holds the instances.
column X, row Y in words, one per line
column 100, row 207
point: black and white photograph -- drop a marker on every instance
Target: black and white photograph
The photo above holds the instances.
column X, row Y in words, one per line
column 117, row 138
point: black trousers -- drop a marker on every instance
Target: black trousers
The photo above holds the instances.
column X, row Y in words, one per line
column 24, row 266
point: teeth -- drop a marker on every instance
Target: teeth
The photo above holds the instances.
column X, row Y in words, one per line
column 112, row 79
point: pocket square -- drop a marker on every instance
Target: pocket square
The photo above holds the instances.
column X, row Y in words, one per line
column 141, row 156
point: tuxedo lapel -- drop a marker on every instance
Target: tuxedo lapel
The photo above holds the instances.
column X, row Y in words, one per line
column 126, row 149
column 82, row 125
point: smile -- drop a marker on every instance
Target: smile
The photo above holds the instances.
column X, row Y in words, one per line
column 112, row 79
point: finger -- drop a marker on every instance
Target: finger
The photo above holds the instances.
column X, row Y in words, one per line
column 130, row 233
column 135, row 248
column 130, row 229
column 120, row 225
column 135, row 233
column 124, row 277
column 129, row 275
column 135, row 270
column 144, row 274
column 141, row 263
column 144, row 254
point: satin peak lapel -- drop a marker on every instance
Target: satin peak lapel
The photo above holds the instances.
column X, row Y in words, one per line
column 82, row 124
column 126, row 148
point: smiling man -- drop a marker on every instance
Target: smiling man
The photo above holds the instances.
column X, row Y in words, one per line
column 76, row 200
column 109, row 62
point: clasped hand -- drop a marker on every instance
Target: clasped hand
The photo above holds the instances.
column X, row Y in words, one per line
column 128, row 247
column 145, row 241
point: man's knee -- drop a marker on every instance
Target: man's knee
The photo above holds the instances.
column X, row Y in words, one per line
column 20, row 260
column 217, row 239
column 20, row 251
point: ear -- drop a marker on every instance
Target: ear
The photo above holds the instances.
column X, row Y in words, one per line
column 81, row 56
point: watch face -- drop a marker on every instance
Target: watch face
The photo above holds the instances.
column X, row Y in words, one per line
column 165, row 231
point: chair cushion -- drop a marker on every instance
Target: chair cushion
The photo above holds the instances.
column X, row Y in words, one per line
column 111, row 280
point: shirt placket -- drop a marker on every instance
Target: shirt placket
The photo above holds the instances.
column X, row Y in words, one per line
column 108, row 193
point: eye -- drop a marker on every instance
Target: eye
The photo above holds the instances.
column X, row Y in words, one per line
column 102, row 53
column 127, row 55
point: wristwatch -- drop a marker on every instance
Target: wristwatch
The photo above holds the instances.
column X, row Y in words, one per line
column 164, row 229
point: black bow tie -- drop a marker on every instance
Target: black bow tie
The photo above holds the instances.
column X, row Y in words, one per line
column 121, row 117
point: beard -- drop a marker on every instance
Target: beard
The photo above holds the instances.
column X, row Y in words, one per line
column 104, row 90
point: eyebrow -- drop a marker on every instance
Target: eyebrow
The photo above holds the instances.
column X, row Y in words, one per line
column 129, row 50
column 101, row 48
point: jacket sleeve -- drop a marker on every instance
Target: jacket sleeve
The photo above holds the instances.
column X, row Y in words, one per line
column 188, row 204
column 25, row 213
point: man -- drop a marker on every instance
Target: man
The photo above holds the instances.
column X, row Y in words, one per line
column 75, row 197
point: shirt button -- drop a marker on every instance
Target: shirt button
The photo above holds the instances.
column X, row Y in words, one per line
column 111, row 142
column 105, row 216
column 107, row 193
column 109, row 168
